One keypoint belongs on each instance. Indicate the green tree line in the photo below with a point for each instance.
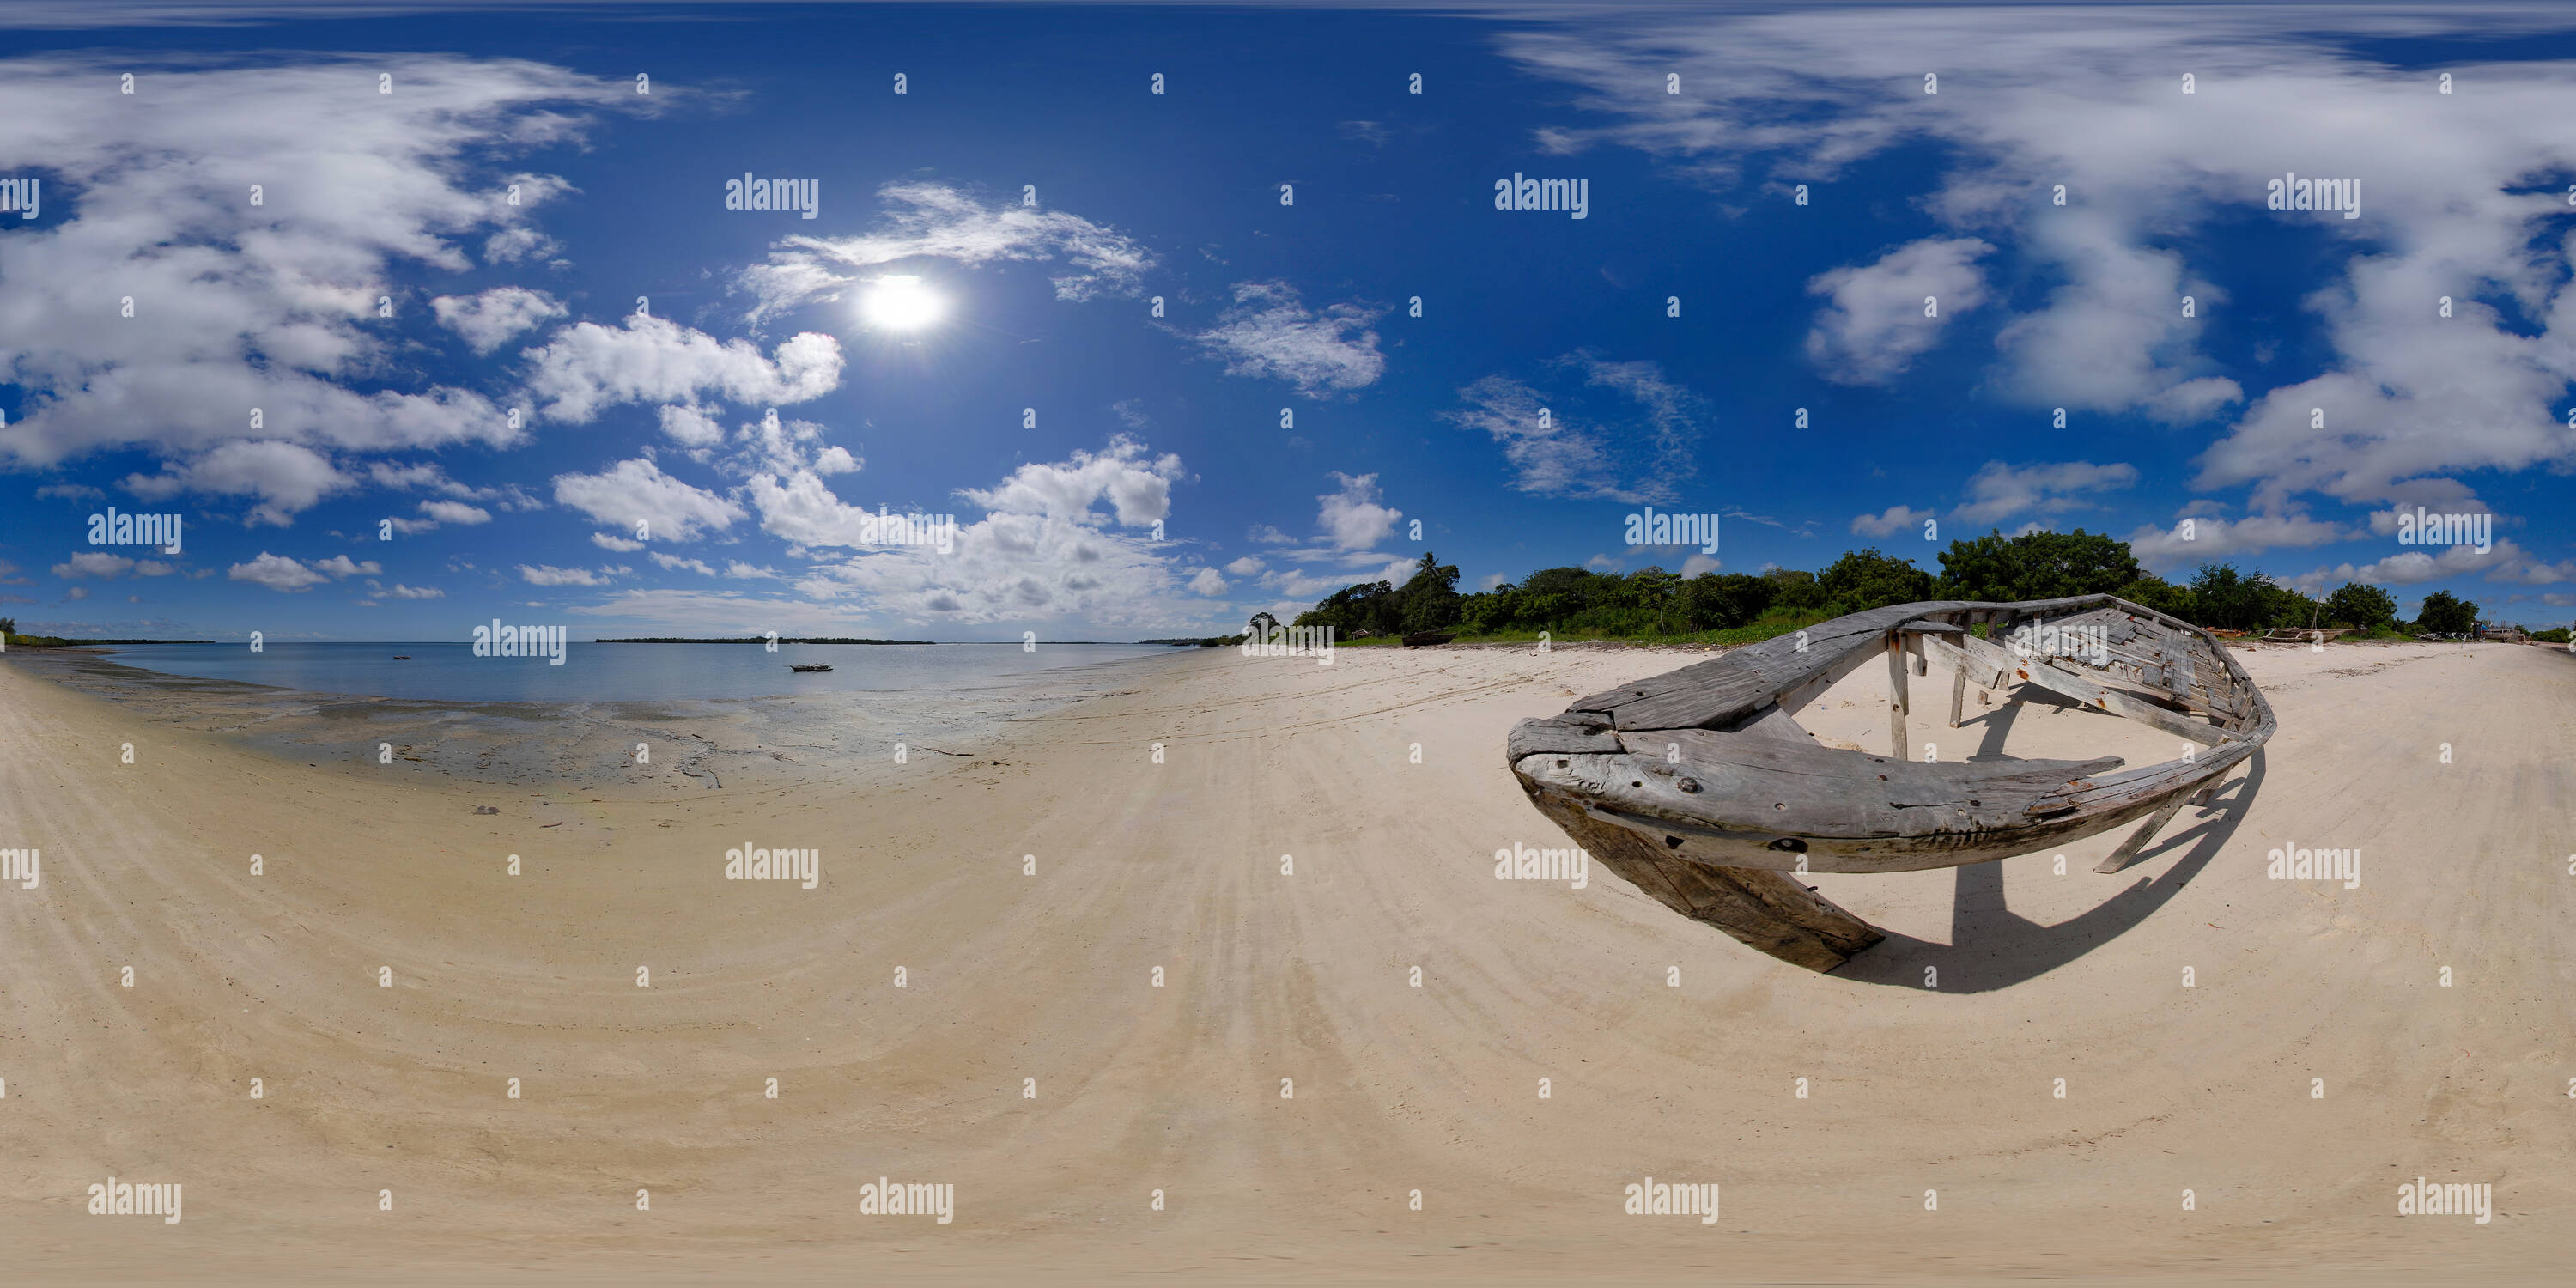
(1992, 568)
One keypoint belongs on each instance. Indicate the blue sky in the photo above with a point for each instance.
(2314, 391)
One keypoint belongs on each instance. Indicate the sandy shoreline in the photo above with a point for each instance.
(1268, 976)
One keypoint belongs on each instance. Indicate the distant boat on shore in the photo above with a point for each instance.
(809, 666)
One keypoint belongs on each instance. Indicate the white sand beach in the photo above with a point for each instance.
(1275, 980)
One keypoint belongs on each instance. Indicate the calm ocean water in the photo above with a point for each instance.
(449, 672)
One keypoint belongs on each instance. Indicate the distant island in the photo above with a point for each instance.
(56, 641)
(753, 639)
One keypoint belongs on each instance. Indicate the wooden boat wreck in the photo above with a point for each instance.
(1421, 638)
(2304, 635)
(1699, 787)
(809, 666)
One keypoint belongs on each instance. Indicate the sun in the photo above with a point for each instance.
(902, 304)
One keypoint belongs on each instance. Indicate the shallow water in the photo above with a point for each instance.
(449, 671)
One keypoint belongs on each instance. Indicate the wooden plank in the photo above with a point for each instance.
(1788, 749)
(2113, 791)
(2137, 841)
(1958, 693)
(1896, 697)
(1768, 911)
(1986, 674)
(1772, 728)
(1564, 737)
(2034, 671)
(1926, 811)
(1727, 688)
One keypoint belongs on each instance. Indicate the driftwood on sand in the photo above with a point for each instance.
(1699, 787)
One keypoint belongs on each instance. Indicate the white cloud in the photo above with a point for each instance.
(2114, 336)
(1574, 448)
(1998, 491)
(1351, 515)
(1550, 456)
(428, 475)
(487, 321)
(549, 575)
(2531, 572)
(740, 570)
(1045, 549)
(1207, 582)
(1268, 333)
(1873, 324)
(608, 541)
(698, 566)
(286, 478)
(691, 426)
(934, 221)
(586, 367)
(804, 510)
(2212, 538)
(1246, 566)
(238, 306)
(637, 490)
(99, 563)
(456, 512)
(1299, 586)
(518, 245)
(1894, 519)
(1137, 487)
(2409, 401)
(1700, 563)
(2415, 567)
(773, 446)
(277, 572)
(1672, 412)
(401, 591)
(344, 566)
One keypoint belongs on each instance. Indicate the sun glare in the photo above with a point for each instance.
(902, 304)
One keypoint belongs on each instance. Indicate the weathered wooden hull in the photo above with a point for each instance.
(1700, 788)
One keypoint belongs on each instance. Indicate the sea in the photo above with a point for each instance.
(448, 671)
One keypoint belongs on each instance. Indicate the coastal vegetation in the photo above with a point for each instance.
(9, 633)
(1657, 606)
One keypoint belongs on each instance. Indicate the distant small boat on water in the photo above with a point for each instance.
(809, 666)
(402, 657)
